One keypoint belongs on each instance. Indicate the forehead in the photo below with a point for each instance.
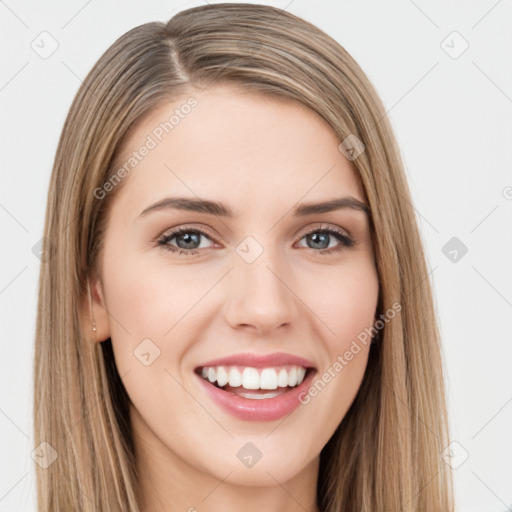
(240, 148)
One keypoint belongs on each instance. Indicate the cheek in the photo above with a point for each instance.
(148, 298)
(345, 301)
(146, 306)
(346, 312)
(155, 311)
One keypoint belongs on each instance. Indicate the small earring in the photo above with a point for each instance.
(90, 308)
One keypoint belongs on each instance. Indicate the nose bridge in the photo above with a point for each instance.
(261, 292)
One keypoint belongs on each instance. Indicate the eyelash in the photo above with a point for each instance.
(345, 240)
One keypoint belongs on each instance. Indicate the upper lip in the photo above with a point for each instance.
(259, 360)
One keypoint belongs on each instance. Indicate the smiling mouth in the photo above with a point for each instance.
(255, 383)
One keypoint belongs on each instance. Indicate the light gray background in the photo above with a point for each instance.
(451, 114)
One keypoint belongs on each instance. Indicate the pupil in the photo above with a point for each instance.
(316, 236)
(188, 237)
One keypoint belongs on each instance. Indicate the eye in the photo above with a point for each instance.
(320, 239)
(188, 240)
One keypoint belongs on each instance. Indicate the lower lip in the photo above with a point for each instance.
(265, 409)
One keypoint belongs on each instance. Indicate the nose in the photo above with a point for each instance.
(261, 294)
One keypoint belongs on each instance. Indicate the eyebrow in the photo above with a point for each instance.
(221, 210)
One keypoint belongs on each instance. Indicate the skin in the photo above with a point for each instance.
(259, 156)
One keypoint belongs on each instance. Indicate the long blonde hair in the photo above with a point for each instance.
(386, 453)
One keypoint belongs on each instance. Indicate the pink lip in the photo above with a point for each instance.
(259, 361)
(267, 409)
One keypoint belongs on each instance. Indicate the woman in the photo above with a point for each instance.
(235, 312)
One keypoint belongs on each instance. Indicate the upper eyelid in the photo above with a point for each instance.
(173, 232)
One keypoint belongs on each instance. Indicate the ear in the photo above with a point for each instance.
(97, 311)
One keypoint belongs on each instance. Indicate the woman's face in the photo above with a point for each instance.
(262, 281)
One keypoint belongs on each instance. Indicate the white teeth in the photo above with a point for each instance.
(235, 378)
(222, 376)
(254, 378)
(282, 378)
(268, 379)
(250, 378)
(292, 377)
